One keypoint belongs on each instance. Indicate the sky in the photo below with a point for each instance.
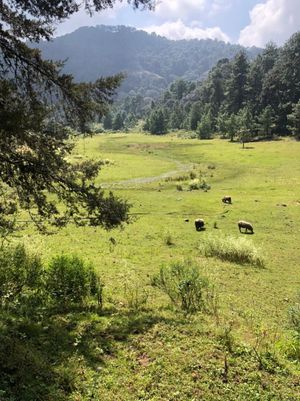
(247, 22)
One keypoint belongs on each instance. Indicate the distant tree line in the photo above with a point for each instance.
(240, 99)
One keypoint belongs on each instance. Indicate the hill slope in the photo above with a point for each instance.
(151, 62)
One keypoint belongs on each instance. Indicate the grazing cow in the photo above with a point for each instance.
(227, 199)
(199, 224)
(247, 226)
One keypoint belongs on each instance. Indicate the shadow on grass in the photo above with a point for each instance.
(46, 358)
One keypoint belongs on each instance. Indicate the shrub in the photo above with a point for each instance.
(197, 184)
(70, 280)
(294, 317)
(184, 285)
(194, 184)
(206, 187)
(236, 250)
(20, 275)
(168, 239)
(177, 178)
(135, 295)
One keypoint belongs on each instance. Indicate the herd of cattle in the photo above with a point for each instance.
(199, 223)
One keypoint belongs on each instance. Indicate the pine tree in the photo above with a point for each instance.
(232, 126)
(204, 128)
(266, 122)
(195, 116)
(246, 124)
(107, 121)
(294, 121)
(238, 83)
(221, 123)
(176, 118)
(118, 121)
(157, 122)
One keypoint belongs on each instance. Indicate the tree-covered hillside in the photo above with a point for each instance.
(240, 98)
(151, 62)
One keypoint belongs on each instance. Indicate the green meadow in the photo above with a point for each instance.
(140, 347)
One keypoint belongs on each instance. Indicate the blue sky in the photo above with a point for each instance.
(248, 22)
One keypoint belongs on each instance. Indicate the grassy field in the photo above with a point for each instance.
(241, 351)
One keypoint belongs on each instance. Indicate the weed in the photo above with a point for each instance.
(177, 178)
(294, 317)
(70, 280)
(20, 276)
(168, 239)
(199, 184)
(294, 322)
(194, 184)
(135, 295)
(235, 250)
(263, 352)
(184, 285)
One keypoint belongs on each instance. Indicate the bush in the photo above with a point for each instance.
(294, 317)
(168, 239)
(236, 250)
(70, 280)
(197, 184)
(194, 184)
(177, 178)
(292, 347)
(136, 296)
(21, 275)
(184, 285)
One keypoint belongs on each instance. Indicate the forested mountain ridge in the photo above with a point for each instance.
(239, 98)
(150, 62)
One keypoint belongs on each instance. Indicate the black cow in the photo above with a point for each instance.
(199, 224)
(227, 199)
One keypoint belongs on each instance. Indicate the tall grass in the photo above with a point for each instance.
(236, 250)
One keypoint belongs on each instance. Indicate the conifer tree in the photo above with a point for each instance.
(246, 125)
(107, 121)
(204, 128)
(195, 115)
(266, 122)
(157, 122)
(238, 83)
(118, 121)
(294, 121)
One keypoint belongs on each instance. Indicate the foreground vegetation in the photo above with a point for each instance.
(227, 331)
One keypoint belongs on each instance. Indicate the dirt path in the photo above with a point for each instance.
(181, 168)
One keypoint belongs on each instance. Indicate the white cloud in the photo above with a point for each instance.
(179, 8)
(178, 30)
(218, 6)
(186, 9)
(83, 18)
(274, 20)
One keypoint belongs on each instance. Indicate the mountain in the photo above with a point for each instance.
(150, 62)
